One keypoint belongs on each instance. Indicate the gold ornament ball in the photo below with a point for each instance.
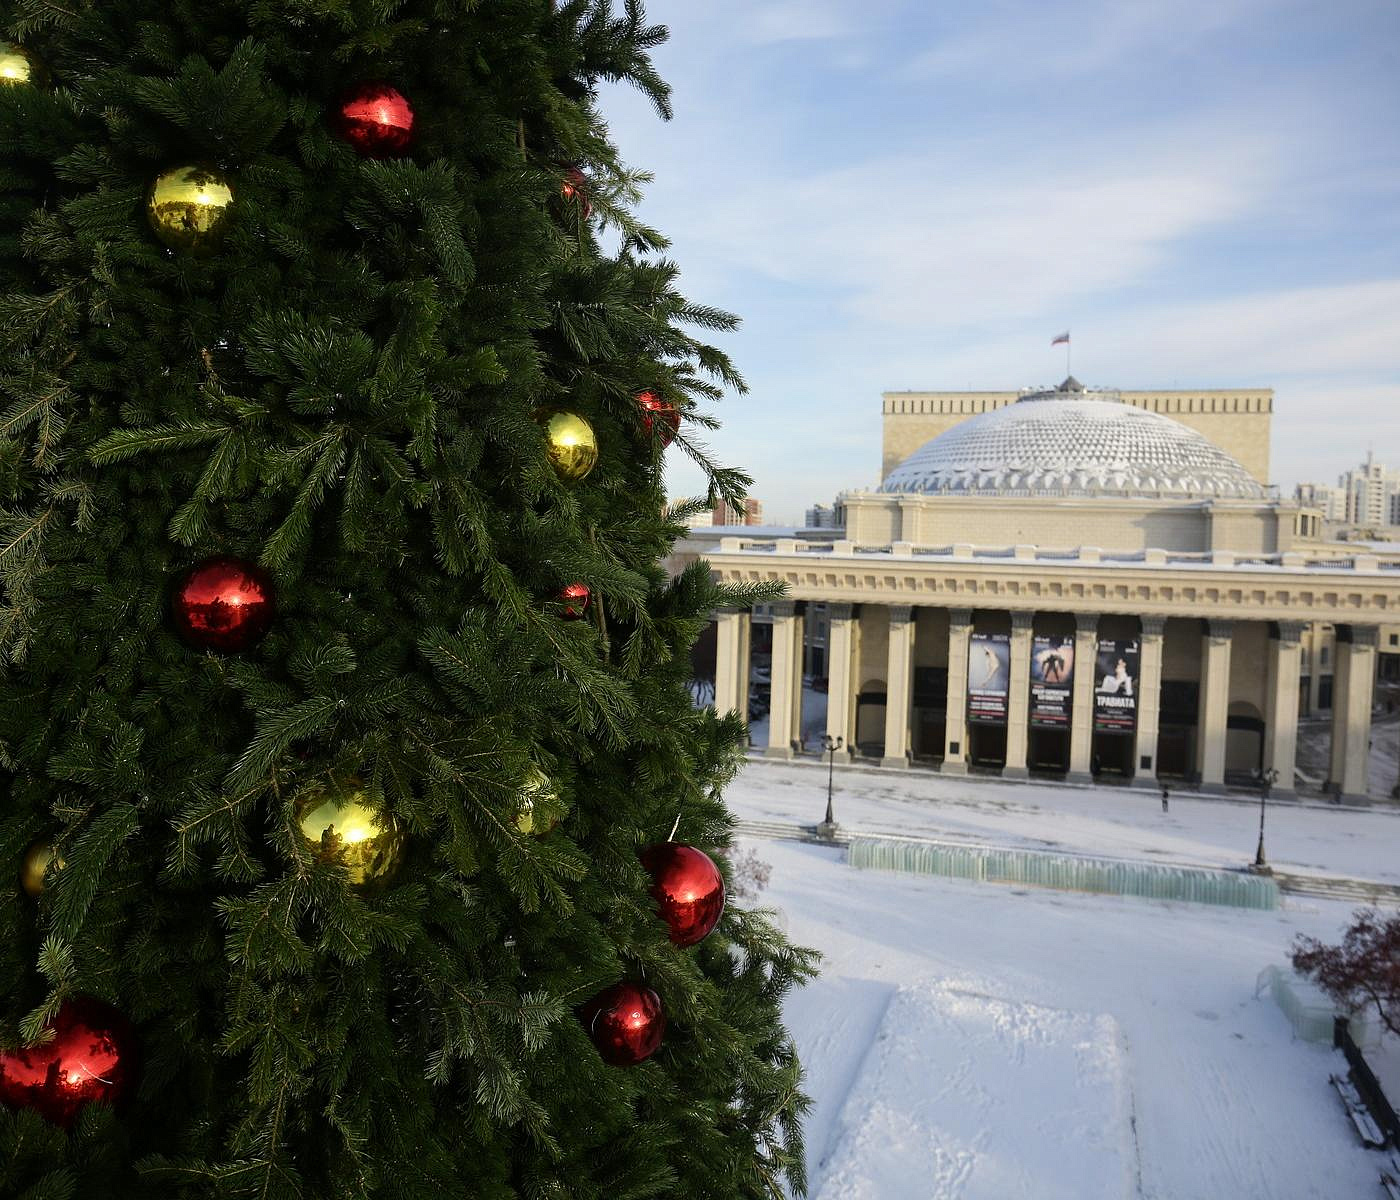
(37, 860)
(570, 441)
(18, 65)
(341, 826)
(539, 808)
(189, 209)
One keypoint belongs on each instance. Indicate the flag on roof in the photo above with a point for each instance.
(1063, 339)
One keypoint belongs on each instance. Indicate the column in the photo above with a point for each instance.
(1213, 715)
(1018, 700)
(1341, 661)
(1281, 703)
(1359, 653)
(955, 735)
(1149, 702)
(799, 658)
(785, 690)
(732, 662)
(840, 675)
(1081, 716)
(899, 690)
(1314, 670)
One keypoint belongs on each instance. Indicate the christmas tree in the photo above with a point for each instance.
(362, 835)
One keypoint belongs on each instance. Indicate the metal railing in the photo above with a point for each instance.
(1372, 1094)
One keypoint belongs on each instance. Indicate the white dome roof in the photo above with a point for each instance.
(1075, 443)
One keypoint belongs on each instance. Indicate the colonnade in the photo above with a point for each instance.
(1351, 715)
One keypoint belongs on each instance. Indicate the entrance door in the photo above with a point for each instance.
(1048, 750)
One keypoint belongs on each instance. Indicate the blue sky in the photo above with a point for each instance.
(901, 194)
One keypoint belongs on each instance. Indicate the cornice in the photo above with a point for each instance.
(1220, 592)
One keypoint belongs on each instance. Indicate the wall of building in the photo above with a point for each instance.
(1236, 420)
(931, 637)
(1241, 530)
(1111, 523)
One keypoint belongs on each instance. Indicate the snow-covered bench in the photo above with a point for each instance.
(1365, 1124)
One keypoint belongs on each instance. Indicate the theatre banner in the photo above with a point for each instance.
(1052, 682)
(988, 678)
(1116, 684)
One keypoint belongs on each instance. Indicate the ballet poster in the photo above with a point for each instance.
(988, 678)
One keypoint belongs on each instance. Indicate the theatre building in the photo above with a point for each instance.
(1073, 583)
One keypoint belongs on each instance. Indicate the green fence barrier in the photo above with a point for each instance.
(1070, 873)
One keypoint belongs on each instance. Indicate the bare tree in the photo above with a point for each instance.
(1361, 973)
(749, 874)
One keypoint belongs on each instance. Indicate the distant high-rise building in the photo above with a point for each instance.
(1331, 500)
(820, 516)
(750, 514)
(1368, 496)
(1369, 489)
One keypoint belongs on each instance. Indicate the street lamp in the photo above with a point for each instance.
(830, 745)
(1267, 778)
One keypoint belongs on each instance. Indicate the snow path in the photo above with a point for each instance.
(1121, 822)
(1227, 1103)
(953, 1083)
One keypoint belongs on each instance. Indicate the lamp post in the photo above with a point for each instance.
(827, 829)
(1267, 778)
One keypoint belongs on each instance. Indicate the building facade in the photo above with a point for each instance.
(750, 514)
(1074, 583)
(1366, 497)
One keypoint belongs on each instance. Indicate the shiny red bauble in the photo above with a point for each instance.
(376, 119)
(625, 1022)
(660, 416)
(224, 604)
(688, 889)
(91, 1059)
(575, 600)
(576, 189)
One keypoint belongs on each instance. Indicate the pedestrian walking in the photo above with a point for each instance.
(1166, 795)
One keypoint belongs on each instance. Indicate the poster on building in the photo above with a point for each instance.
(1052, 682)
(1115, 686)
(988, 678)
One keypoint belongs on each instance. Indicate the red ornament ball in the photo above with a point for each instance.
(576, 189)
(625, 1022)
(376, 119)
(654, 409)
(688, 889)
(575, 598)
(224, 604)
(91, 1059)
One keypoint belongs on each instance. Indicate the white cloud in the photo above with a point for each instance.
(924, 240)
(1077, 37)
(790, 21)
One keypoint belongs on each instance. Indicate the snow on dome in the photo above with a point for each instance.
(1073, 442)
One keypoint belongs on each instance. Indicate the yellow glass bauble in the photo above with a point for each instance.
(571, 443)
(18, 65)
(341, 826)
(189, 208)
(37, 860)
(539, 808)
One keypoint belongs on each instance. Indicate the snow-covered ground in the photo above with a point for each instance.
(970, 1041)
(974, 1040)
(1123, 822)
